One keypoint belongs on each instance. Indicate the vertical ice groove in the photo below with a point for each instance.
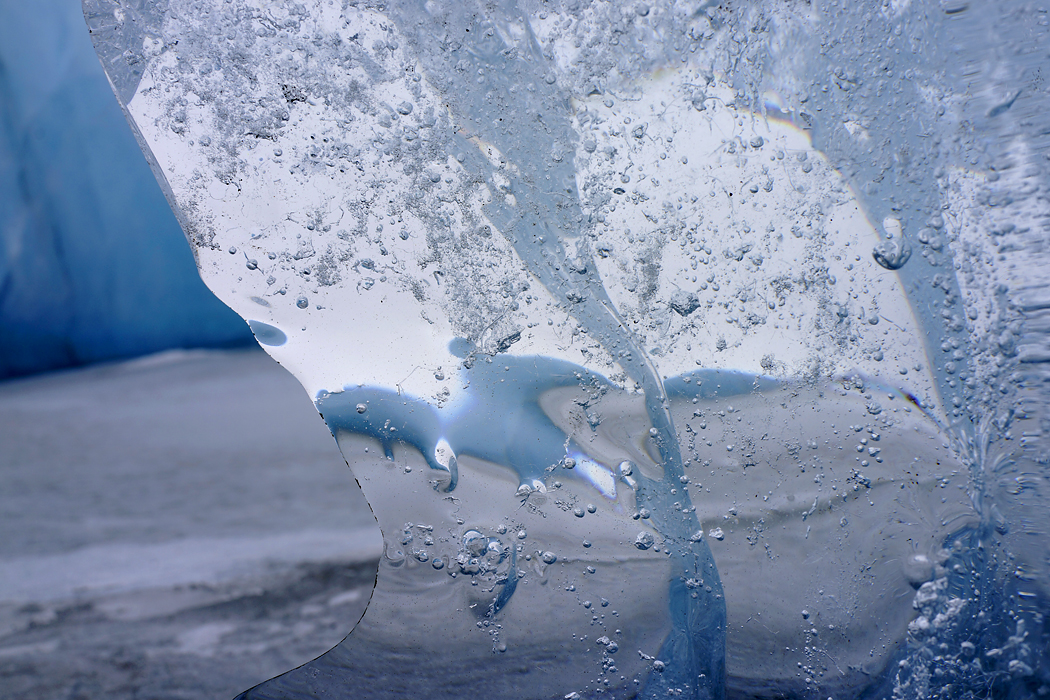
(518, 92)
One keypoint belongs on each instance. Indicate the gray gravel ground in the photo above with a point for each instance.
(180, 526)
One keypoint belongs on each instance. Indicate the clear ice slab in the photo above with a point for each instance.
(540, 297)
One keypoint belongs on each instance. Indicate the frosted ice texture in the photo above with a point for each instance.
(635, 389)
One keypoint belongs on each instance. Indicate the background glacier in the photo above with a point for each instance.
(93, 265)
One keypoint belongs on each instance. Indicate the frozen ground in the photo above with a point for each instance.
(180, 526)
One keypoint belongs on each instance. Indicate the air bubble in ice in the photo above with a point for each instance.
(475, 543)
(684, 303)
(895, 251)
(267, 334)
(892, 254)
(918, 569)
(644, 540)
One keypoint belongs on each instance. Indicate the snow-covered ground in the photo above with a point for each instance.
(178, 526)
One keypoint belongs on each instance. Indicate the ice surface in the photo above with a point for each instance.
(473, 231)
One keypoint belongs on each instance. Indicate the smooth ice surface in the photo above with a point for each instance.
(649, 395)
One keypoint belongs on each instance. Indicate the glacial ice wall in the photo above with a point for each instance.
(93, 265)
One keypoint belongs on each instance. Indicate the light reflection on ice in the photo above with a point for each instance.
(597, 475)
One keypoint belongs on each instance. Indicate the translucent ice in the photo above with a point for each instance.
(568, 301)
